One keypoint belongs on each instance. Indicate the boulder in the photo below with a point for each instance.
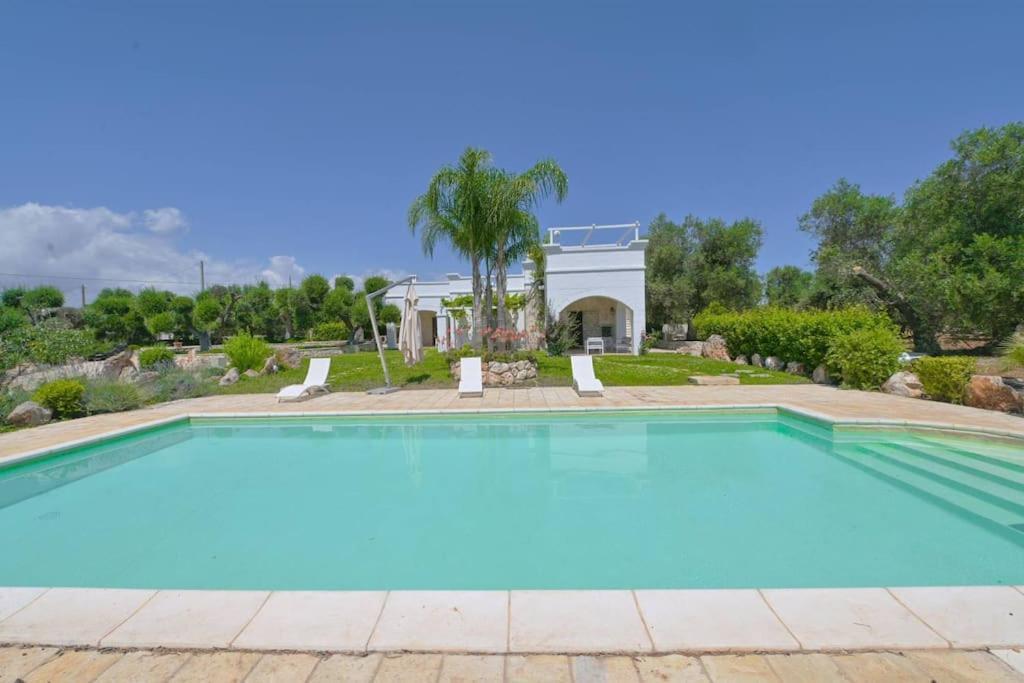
(128, 374)
(229, 378)
(794, 368)
(270, 367)
(992, 393)
(498, 368)
(289, 357)
(741, 360)
(691, 348)
(250, 373)
(904, 383)
(715, 348)
(774, 363)
(820, 375)
(29, 414)
(757, 360)
(29, 376)
(507, 378)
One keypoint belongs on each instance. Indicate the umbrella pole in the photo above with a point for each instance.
(387, 388)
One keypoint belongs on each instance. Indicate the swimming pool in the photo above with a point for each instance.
(686, 499)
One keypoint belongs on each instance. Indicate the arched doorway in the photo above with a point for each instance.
(604, 318)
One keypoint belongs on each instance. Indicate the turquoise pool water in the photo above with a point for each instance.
(598, 500)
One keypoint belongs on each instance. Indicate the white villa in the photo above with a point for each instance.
(594, 273)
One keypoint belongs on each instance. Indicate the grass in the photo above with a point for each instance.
(361, 371)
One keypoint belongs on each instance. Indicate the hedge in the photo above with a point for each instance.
(802, 336)
(944, 378)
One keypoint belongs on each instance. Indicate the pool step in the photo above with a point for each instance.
(1001, 457)
(994, 469)
(993, 516)
(999, 491)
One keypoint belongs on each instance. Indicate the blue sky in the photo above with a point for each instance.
(305, 130)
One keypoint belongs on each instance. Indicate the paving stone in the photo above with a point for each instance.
(338, 621)
(671, 669)
(13, 599)
(875, 667)
(72, 616)
(142, 666)
(964, 667)
(348, 668)
(73, 666)
(408, 669)
(283, 669)
(712, 620)
(531, 668)
(804, 668)
(576, 621)
(16, 662)
(192, 618)
(471, 668)
(443, 621)
(589, 669)
(223, 667)
(850, 619)
(970, 616)
(1013, 657)
(738, 668)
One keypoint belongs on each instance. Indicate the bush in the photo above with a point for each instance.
(63, 396)
(155, 356)
(106, 396)
(11, 319)
(559, 334)
(455, 355)
(52, 344)
(329, 331)
(11, 399)
(944, 377)
(1013, 350)
(246, 352)
(175, 383)
(866, 358)
(802, 336)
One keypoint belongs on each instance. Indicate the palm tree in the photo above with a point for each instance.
(454, 209)
(512, 227)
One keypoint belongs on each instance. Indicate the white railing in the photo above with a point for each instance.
(554, 234)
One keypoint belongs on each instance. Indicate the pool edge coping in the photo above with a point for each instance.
(951, 428)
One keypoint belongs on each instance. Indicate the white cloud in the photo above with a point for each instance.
(164, 221)
(56, 244)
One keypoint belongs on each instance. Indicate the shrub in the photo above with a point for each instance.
(489, 356)
(106, 396)
(802, 336)
(944, 377)
(155, 356)
(246, 352)
(175, 383)
(63, 396)
(559, 334)
(329, 331)
(1013, 350)
(866, 358)
(52, 344)
(11, 319)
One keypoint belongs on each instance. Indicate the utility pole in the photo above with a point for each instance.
(202, 276)
(83, 296)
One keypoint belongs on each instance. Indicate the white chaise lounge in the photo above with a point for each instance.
(583, 379)
(470, 378)
(315, 382)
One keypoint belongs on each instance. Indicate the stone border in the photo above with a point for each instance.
(520, 622)
(696, 621)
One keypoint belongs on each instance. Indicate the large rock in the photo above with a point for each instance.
(774, 363)
(794, 368)
(250, 373)
(289, 357)
(757, 360)
(991, 393)
(741, 360)
(29, 414)
(904, 383)
(691, 348)
(29, 376)
(716, 348)
(229, 378)
(270, 367)
(821, 376)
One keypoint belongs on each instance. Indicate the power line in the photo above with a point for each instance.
(99, 279)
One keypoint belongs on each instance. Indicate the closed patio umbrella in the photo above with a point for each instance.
(409, 337)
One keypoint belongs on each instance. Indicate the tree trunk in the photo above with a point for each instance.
(477, 303)
(924, 338)
(501, 285)
(489, 308)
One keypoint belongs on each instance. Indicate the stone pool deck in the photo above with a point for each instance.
(962, 633)
(52, 664)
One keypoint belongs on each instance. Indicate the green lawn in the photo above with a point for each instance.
(361, 371)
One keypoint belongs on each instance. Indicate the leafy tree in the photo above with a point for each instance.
(669, 288)
(788, 286)
(390, 313)
(114, 317)
(315, 288)
(344, 282)
(11, 297)
(39, 298)
(374, 283)
(454, 209)
(256, 312)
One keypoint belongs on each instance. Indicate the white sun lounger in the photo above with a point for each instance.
(583, 379)
(470, 379)
(315, 382)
